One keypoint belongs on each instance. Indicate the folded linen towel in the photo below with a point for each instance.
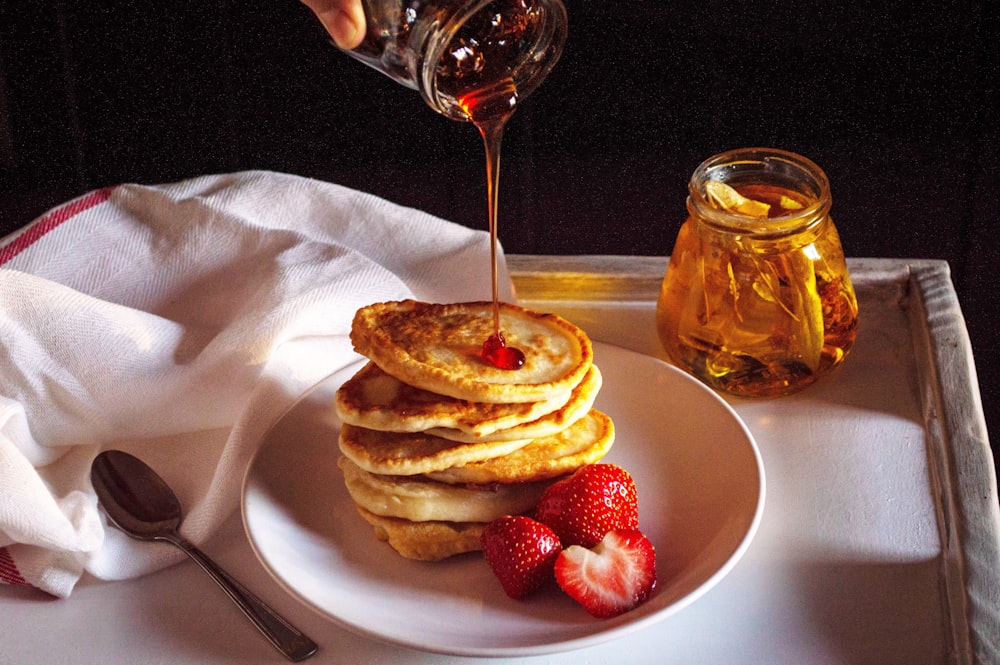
(153, 320)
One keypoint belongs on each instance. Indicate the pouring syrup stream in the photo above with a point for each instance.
(489, 109)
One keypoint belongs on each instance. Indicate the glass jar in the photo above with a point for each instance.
(757, 300)
(449, 49)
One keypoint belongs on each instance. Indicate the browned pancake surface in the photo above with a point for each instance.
(425, 541)
(412, 453)
(586, 441)
(376, 400)
(437, 347)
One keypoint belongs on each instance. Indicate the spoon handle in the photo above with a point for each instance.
(285, 637)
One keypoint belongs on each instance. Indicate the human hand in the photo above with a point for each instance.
(343, 19)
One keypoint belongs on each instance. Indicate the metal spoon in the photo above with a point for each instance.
(142, 505)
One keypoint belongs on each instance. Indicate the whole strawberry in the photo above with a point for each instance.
(612, 578)
(522, 553)
(596, 499)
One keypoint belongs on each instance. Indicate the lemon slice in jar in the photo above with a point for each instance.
(726, 198)
(788, 203)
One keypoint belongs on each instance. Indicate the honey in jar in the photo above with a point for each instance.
(757, 300)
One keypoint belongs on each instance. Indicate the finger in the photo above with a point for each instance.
(345, 21)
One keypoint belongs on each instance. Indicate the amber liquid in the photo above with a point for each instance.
(758, 317)
(478, 79)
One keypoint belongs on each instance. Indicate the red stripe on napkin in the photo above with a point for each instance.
(49, 222)
(9, 574)
(8, 569)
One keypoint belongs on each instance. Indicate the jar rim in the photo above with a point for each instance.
(758, 165)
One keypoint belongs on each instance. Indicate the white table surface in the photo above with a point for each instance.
(879, 540)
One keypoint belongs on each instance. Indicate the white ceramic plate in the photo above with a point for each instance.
(701, 494)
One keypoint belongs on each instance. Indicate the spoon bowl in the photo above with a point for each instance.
(140, 503)
(134, 496)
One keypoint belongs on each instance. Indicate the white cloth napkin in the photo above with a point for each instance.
(154, 320)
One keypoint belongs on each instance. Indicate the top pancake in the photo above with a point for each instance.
(437, 347)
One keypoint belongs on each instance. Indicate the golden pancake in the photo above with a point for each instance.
(584, 442)
(437, 347)
(437, 442)
(580, 401)
(376, 400)
(423, 500)
(413, 453)
(425, 541)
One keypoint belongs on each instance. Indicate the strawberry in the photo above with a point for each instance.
(614, 577)
(522, 553)
(594, 500)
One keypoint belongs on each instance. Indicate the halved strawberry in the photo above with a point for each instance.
(617, 575)
(594, 500)
(522, 553)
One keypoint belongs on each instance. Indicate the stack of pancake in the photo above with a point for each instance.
(437, 442)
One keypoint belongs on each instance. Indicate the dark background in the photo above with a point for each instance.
(896, 100)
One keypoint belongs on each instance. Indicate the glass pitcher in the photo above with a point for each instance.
(448, 49)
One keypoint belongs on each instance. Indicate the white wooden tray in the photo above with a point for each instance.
(878, 544)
